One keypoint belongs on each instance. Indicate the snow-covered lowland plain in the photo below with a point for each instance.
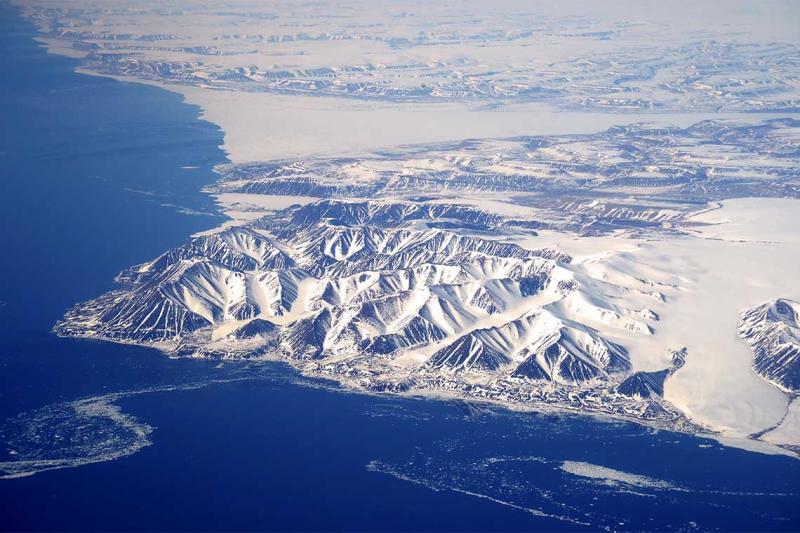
(596, 211)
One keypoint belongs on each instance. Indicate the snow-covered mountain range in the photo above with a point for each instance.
(426, 270)
(374, 293)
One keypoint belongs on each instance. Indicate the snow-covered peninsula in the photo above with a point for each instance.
(573, 212)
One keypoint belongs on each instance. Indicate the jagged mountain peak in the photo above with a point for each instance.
(773, 332)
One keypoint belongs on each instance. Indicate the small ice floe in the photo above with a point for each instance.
(613, 478)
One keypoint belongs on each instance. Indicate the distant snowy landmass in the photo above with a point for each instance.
(634, 175)
(411, 56)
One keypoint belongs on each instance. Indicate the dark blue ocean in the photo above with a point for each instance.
(97, 175)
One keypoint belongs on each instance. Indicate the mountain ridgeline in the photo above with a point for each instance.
(379, 295)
